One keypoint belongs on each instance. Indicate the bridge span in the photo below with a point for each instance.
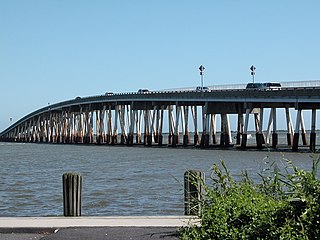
(139, 118)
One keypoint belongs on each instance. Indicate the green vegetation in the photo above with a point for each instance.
(283, 205)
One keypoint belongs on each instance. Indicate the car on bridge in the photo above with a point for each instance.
(143, 90)
(203, 89)
(264, 86)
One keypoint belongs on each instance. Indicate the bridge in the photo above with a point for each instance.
(190, 116)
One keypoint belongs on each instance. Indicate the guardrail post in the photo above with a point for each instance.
(72, 194)
(193, 191)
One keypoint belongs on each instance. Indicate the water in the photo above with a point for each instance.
(117, 180)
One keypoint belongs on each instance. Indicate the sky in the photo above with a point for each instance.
(56, 50)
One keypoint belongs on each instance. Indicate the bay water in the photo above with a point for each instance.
(117, 180)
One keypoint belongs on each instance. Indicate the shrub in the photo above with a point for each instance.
(284, 205)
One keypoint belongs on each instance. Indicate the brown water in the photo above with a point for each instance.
(117, 180)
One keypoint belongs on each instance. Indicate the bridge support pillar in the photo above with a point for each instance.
(186, 139)
(213, 129)
(274, 140)
(274, 133)
(138, 138)
(289, 127)
(123, 139)
(175, 139)
(245, 131)
(296, 131)
(204, 140)
(239, 128)
(160, 140)
(289, 139)
(313, 131)
(259, 137)
(130, 139)
(195, 139)
(295, 142)
(225, 138)
(114, 139)
(303, 132)
(108, 139)
(149, 140)
(244, 140)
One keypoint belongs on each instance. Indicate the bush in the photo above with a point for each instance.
(284, 205)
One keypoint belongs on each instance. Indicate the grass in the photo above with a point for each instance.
(283, 205)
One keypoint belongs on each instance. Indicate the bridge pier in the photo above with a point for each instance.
(194, 114)
(313, 131)
(289, 127)
(274, 133)
(259, 126)
(245, 131)
(239, 128)
(225, 138)
(186, 136)
(296, 131)
(303, 132)
(214, 129)
(205, 123)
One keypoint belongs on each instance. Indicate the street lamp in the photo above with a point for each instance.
(253, 72)
(201, 68)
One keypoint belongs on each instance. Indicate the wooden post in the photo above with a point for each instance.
(193, 191)
(72, 187)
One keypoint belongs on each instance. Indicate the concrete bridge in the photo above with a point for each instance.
(190, 116)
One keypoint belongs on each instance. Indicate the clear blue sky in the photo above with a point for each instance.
(55, 50)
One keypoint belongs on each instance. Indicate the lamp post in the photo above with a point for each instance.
(201, 68)
(253, 72)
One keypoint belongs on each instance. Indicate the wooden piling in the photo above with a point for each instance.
(72, 194)
(193, 191)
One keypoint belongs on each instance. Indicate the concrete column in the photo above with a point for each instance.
(274, 133)
(313, 131)
(170, 119)
(195, 121)
(186, 136)
(303, 132)
(214, 128)
(289, 127)
(176, 129)
(160, 140)
(224, 138)
(114, 137)
(205, 125)
(296, 132)
(239, 128)
(259, 135)
(245, 131)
